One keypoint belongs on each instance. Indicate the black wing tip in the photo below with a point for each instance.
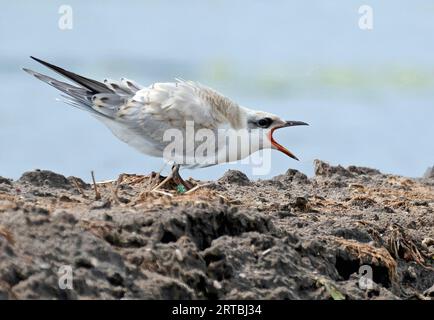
(92, 85)
(38, 60)
(42, 62)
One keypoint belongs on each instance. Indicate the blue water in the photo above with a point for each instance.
(368, 95)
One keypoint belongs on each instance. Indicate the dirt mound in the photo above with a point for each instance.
(346, 233)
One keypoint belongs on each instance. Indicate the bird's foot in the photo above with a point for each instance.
(182, 186)
(162, 183)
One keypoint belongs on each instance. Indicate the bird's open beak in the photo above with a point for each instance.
(279, 147)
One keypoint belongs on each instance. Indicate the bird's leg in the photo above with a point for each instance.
(178, 180)
(162, 183)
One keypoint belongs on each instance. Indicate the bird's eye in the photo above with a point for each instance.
(265, 122)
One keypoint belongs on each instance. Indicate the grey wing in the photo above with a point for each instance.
(164, 106)
(156, 115)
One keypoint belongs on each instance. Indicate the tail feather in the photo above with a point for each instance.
(73, 102)
(75, 96)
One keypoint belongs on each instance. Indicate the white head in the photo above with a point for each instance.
(263, 124)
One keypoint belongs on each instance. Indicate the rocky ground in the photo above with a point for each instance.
(290, 237)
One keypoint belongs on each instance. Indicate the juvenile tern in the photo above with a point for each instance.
(140, 116)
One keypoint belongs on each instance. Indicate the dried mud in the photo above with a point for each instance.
(290, 237)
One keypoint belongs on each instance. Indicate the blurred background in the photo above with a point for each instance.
(367, 94)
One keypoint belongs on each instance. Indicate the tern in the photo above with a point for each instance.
(140, 116)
